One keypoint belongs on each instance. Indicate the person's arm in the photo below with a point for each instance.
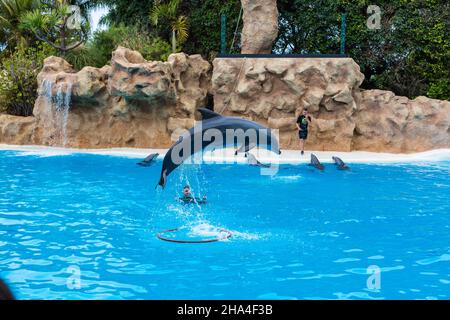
(200, 200)
(297, 124)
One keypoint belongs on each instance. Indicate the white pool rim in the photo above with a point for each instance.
(227, 155)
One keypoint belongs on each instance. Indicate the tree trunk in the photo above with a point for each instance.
(63, 37)
(174, 42)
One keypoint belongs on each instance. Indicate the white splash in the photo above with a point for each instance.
(206, 230)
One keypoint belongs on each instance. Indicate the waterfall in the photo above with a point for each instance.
(59, 106)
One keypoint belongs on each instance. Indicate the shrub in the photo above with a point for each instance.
(151, 48)
(97, 52)
(18, 79)
(439, 90)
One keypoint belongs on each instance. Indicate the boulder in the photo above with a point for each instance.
(16, 130)
(134, 78)
(260, 26)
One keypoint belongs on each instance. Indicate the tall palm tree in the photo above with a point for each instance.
(178, 24)
(10, 12)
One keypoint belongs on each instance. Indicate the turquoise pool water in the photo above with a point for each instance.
(299, 234)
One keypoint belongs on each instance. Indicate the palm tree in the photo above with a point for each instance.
(10, 12)
(168, 11)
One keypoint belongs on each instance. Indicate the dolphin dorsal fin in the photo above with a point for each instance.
(208, 114)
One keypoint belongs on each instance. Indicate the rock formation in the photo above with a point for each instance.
(16, 130)
(133, 102)
(260, 26)
(391, 123)
(274, 91)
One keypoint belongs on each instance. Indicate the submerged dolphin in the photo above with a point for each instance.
(340, 164)
(215, 131)
(254, 162)
(316, 163)
(148, 160)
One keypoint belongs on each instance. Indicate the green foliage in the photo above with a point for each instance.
(11, 34)
(308, 27)
(129, 12)
(409, 54)
(55, 23)
(97, 52)
(204, 17)
(439, 90)
(168, 12)
(18, 79)
(81, 57)
(151, 47)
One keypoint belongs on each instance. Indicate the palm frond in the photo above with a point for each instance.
(172, 7)
(156, 14)
(162, 10)
(181, 26)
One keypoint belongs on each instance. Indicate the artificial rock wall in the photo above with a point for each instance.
(132, 103)
(273, 91)
(138, 103)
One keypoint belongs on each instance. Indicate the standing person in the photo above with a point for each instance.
(303, 121)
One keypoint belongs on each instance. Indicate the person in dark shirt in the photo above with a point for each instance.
(303, 121)
(188, 198)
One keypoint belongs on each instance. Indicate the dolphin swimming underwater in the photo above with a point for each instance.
(316, 163)
(148, 160)
(216, 131)
(251, 159)
(340, 164)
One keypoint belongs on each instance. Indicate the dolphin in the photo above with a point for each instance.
(340, 164)
(316, 163)
(215, 131)
(148, 160)
(254, 162)
(245, 147)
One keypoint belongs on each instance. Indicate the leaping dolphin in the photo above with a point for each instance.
(316, 163)
(148, 160)
(216, 131)
(340, 164)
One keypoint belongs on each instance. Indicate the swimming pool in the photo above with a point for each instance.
(82, 226)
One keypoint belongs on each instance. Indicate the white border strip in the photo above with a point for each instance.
(287, 156)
